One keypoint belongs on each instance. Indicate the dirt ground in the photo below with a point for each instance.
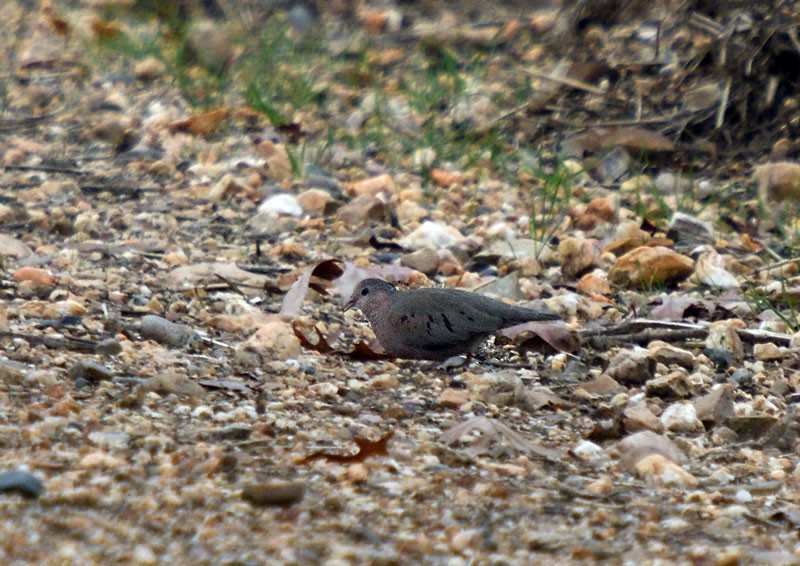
(189, 192)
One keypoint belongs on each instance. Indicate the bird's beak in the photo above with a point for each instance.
(351, 302)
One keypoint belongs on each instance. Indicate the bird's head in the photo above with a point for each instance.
(370, 296)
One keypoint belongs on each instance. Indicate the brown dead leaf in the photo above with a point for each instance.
(361, 351)
(106, 30)
(637, 139)
(676, 307)
(366, 449)
(336, 277)
(546, 337)
(492, 430)
(203, 124)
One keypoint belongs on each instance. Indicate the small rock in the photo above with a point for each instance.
(149, 69)
(715, 407)
(637, 446)
(315, 201)
(690, 232)
(656, 469)
(453, 397)
(594, 283)
(208, 47)
(751, 427)
(722, 336)
(41, 377)
(639, 417)
(22, 482)
(275, 339)
(587, 451)
(11, 246)
(577, 256)
(164, 332)
(632, 366)
(357, 473)
(463, 540)
(143, 555)
(273, 492)
(226, 187)
(722, 359)
(384, 381)
(767, 352)
(373, 185)
(671, 386)
(91, 371)
(742, 378)
(649, 266)
(668, 355)
(108, 347)
(173, 383)
(281, 204)
(365, 209)
(425, 261)
(603, 385)
(681, 417)
(35, 275)
(13, 372)
(433, 235)
(710, 270)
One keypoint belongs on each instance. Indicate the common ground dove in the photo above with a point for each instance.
(434, 324)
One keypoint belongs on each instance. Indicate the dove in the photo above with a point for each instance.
(434, 324)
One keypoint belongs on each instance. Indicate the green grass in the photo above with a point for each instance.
(279, 75)
(784, 305)
(549, 199)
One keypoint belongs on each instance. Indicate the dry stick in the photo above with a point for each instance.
(25, 122)
(723, 104)
(792, 33)
(77, 344)
(646, 330)
(614, 123)
(778, 264)
(580, 85)
(45, 169)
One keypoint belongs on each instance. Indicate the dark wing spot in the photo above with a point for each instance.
(462, 313)
(447, 323)
(413, 315)
(469, 318)
(404, 318)
(430, 317)
(429, 328)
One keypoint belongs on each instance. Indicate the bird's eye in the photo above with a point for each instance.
(364, 292)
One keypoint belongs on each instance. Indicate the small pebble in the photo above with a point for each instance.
(22, 482)
(273, 492)
(165, 332)
(90, 371)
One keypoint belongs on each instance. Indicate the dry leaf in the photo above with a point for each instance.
(203, 124)
(366, 449)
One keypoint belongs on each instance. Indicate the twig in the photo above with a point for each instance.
(580, 85)
(723, 104)
(778, 264)
(76, 344)
(643, 331)
(614, 123)
(46, 169)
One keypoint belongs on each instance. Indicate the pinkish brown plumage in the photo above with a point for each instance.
(434, 324)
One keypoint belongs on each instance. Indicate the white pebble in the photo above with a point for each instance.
(281, 203)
